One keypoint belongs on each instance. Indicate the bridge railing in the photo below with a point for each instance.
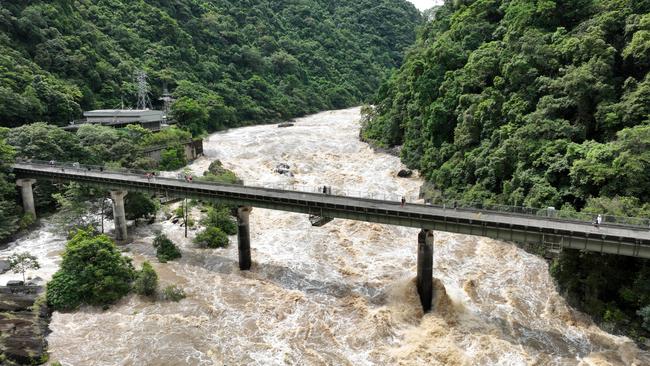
(374, 195)
(551, 212)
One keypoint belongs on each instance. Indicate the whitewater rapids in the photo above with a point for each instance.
(343, 294)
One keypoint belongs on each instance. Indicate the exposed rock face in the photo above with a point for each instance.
(405, 173)
(23, 325)
(284, 169)
(4, 266)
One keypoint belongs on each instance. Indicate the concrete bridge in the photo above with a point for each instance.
(561, 233)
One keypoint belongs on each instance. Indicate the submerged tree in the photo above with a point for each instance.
(22, 262)
(93, 272)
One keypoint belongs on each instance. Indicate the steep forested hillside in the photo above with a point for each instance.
(537, 103)
(240, 61)
(540, 103)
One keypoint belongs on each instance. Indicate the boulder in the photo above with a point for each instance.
(16, 301)
(4, 266)
(285, 124)
(15, 283)
(284, 169)
(405, 173)
(34, 281)
(25, 343)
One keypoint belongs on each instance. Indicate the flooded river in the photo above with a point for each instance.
(342, 294)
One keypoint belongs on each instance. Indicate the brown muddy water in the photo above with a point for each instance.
(343, 294)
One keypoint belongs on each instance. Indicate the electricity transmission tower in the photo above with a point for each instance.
(144, 102)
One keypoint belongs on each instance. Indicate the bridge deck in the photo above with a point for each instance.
(624, 240)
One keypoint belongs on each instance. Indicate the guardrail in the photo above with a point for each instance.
(559, 215)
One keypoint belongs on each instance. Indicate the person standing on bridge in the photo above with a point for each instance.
(598, 220)
(403, 201)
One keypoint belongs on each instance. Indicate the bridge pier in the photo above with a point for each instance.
(28, 195)
(119, 217)
(425, 268)
(244, 237)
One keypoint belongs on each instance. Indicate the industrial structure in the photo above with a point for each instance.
(144, 114)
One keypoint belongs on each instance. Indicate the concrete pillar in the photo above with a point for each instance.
(28, 195)
(425, 268)
(119, 217)
(244, 237)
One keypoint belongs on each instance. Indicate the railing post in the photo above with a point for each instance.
(425, 268)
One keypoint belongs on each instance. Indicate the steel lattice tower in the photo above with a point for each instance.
(143, 91)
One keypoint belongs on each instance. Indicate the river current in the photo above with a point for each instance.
(341, 294)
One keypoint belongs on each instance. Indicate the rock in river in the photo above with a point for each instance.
(284, 169)
(405, 173)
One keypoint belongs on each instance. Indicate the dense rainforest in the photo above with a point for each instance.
(535, 103)
(227, 62)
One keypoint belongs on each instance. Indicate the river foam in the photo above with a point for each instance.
(342, 294)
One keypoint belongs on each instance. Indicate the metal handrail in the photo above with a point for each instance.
(556, 215)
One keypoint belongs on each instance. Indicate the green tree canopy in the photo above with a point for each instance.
(93, 272)
(241, 62)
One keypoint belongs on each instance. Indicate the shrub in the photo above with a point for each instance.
(173, 158)
(218, 174)
(212, 237)
(644, 313)
(179, 211)
(26, 221)
(166, 250)
(226, 177)
(146, 280)
(220, 217)
(93, 272)
(173, 293)
(22, 262)
(138, 205)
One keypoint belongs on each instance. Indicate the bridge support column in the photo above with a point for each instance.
(119, 217)
(27, 195)
(244, 237)
(425, 268)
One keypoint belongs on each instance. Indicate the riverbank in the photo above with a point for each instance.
(24, 320)
(338, 294)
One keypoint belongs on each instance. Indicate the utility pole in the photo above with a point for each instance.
(103, 201)
(185, 218)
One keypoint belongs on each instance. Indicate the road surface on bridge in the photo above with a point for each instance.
(614, 239)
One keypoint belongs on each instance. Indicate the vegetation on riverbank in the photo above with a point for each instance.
(94, 272)
(93, 145)
(534, 104)
(227, 63)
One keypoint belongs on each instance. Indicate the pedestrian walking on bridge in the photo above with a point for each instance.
(403, 201)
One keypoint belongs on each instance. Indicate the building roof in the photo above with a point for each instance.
(123, 113)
